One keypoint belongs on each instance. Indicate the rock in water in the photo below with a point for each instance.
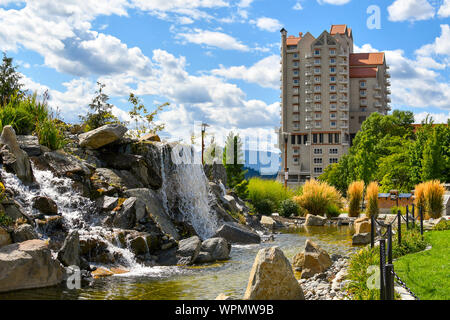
(214, 249)
(188, 250)
(45, 205)
(312, 261)
(234, 233)
(361, 238)
(272, 278)
(268, 222)
(28, 265)
(102, 136)
(69, 255)
(362, 225)
(312, 220)
(14, 158)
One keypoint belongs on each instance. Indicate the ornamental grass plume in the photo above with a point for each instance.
(419, 194)
(372, 200)
(317, 197)
(355, 194)
(434, 199)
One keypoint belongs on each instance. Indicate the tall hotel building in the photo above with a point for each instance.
(327, 91)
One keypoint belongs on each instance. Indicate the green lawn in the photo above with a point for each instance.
(427, 273)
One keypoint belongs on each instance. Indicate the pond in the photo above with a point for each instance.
(198, 282)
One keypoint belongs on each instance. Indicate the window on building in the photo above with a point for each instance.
(330, 138)
(333, 115)
(317, 88)
(318, 124)
(320, 137)
(363, 92)
(332, 70)
(332, 60)
(316, 61)
(296, 151)
(295, 73)
(295, 63)
(318, 115)
(295, 160)
(318, 161)
(295, 55)
(333, 79)
(317, 151)
(333, 106)
(318, 170)
(333, 123)
(317, 52)
(314, 137)
(332, 88)
(332, 51)
(292, 139)
(362, 84)
(295, 81)
(336, 137)
(317, 69)
(334, 151)
(291, 47)
(305, 139)
(334, 160)
(363, 109)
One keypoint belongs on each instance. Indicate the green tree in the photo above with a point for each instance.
(233, 160)
(143, 120)
(433, 162)
(9, 80)
(102, 111)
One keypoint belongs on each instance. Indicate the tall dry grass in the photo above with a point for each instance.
(419, 194)
(434, 199)
(318, 196)
(372, 200)
(355, 194)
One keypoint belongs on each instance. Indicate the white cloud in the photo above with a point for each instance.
(440, 46)
(334, 2)
(297, 6)
(437, 117)
(267, 24)
(410, 10)
(213, 39)
(265, 72)
(444, 10)
(245, 3)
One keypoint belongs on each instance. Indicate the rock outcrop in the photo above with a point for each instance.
(188, 250)
(312, 261)
(272, 278)
(13, 157)
(28, 265)
(313, 221)
(235, 233)
(214, 249)
(69, 254)
(102, 136)
(132, 211)
(45, 205)
(361, 238)
(23, 233)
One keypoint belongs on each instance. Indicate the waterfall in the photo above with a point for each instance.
(186, 190)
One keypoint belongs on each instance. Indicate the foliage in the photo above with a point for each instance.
(259, 189)
(238, 216)
(213, 152)
(372, 200)
(5, 221)
(318, 196)
(355, 194)
(288, 208)
(143, 120)
(264, 206)
(442, 225)
(102, 111)
(9, 80)
(419, 194)
(395, 209)
(241, 189)
(332, 211)
(233, 160)
(434, 198)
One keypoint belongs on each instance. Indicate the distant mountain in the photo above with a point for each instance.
(262, 164)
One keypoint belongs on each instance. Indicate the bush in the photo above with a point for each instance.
(333, 211)
(288, 208)
(419, 194)
(372, 200)
(394, 210)
(259, 189)
(5, 221)
(318, 196)
(50, 134)
(264, 206)
(355, 194)
(241, 189)
(443, 225)
(434, 198)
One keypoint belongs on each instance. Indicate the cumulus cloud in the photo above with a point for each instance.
(410, 10)
(440, 46)
(213, 39)
(267, 24)
(437, 117)
(444, 10)
(334, 2)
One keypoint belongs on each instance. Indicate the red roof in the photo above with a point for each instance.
(367, 59)
(292, 40)
(363, 72)
(338, 29)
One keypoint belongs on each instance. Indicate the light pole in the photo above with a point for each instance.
(204, 125)
(286, 169)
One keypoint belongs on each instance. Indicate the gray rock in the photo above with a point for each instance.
(30, 144)
(188, 250)
(132, 210)
(5, 237)
(232, 202)
(138, 245)
(361, 239)
(23, 233)
(112, 181)
(216, 172)
(62, 164)
(102, 136)
(106, 203)
(312, 220)
(69, 254)
(214, 249)
(14, 158)
(235, 233)
(45, 205)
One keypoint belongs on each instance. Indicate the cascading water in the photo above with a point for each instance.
(189, 190)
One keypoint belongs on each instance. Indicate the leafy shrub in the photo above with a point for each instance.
(5, 220)
(333, 211)
(394, 210)
(264, 206)
(443, 225)
(355, 194)
(259, 189)
(241, 189)
(434, 198)
(372, 200)
(50, 134)
(318, 196)
(288, 208)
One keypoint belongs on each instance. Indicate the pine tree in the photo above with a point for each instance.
(233, 160)
(9, 80)
(433, 162)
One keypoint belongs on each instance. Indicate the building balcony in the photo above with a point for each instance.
(387, 74)
(344, 118)
(377, 87)
(377, 96)
(388, 91)
(343, 108)
(343, 99)
(308, 100)
(308, 119)
(344, 126)
(342, 80)
(333, 63)
(308, 127)
(308, 91)
(317, 81)
(343, 54)
(388, 99)
(333, 98)
(317, 55)
(318, 126)
(332, 54)
(308, 82)
(318, 108)
(317, 99)
(317, 72)
(343, 90)
(333, 107)
(308, 74)
(309, 109)
(378, 105)
(308, 55)
(308, 65)
(363, 102)
(343, 64)
(388, 83)
(343, 72)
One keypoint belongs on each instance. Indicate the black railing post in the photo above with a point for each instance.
(407, 217)
(413, 219)
(382, 269)
(372, 231)
(389, 281)
(421, 221)
(389, 243)
(399, 224)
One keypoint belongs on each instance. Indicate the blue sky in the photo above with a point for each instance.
(214, 60)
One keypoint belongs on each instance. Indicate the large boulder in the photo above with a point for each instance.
(45, 205)
(24, 232)
(312, 261)
(232, 203)
(131, 212)
(313, 221)
(5, 238)
(362, 225)
(28, 265)
(13, 157)
(214, 249)
(155, 209)
(150, 137)
(234, 233)
(30, 144)
(361, 238)
(268, 222)
(272, 278)
(111, 181)
(62, 164)
(102, 136)
(69, 254)
(188, 250)
(106, 203)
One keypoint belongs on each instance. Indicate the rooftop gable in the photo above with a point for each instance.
(367, 59)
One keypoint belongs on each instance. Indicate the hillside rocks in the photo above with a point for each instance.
(102, 136)
(45, 205)
(30, 144)
(312, 261)
(13, 158)
(214, 249)
(272, 278)
(150, 137)
(235, 233)
(69, 254)
(131, 212)
(27, 265)
(24, 232)
(313, 221)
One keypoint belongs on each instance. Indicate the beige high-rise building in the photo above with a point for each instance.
(327, 91)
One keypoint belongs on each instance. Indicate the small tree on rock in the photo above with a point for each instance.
(9, 80)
